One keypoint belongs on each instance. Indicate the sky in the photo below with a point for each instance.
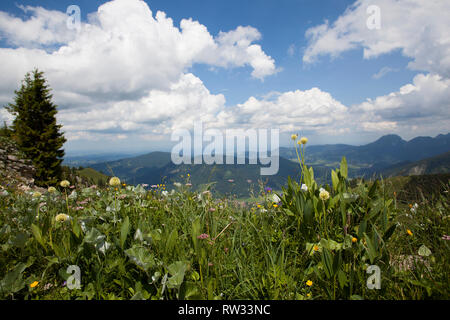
(131, 72)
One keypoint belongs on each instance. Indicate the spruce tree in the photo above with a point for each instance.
(35, 129)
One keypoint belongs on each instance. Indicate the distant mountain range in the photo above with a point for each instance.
(386, 151)
(390, 155)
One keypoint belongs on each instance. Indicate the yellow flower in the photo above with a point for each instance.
(309, 283)
(114, 182)
(64, 184)
(294, 137)
(259, 206)
(61, 217)
(308, 294)
(409, 232)
(275, 205)
(34, 284)
(354, 239)
(51, 189)
(303, 140)
(188, 175)
(324, 195)
(316, 248)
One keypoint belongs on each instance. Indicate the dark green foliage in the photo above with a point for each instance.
(35, 129)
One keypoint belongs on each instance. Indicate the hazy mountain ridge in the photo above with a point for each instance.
(389, 155)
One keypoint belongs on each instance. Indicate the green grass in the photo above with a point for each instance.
(132, 243)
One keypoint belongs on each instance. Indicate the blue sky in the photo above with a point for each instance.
(343, 77)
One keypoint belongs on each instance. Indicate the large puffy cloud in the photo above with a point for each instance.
(122, 51)
(418, 28)
(422, 106)
(156, 114)
(306, 110)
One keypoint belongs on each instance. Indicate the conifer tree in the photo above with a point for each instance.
(35, 129)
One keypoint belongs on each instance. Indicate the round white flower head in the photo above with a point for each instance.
(62, 217)
(304, 187)
(114, 182)
(36, 194)
(64, 184)
(177, 184)
(51, 189)
(324, 195)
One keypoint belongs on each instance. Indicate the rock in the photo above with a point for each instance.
(12, 158)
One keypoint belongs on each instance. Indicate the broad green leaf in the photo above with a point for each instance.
(177, 270)
(13, 282)
(344, 168)
(38, 235)
(327, 261)
(334, 179)
(124, 230)
(424, 251)
(141, 256)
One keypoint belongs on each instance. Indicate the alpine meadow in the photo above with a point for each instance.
(225, 150)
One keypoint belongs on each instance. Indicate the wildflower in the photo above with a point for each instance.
(62, 217)
(354, 239)
(114, 182)
(249, 181)
(275, 198)
(309, 283)
(308, 294)
(230, 180)
(64, 183)
(48, 286)
(324, 195)
(258, 205)
(212, 209)
(445, 237)
(304, 187)
(124, 184)
(275, 205)
(303, 140)
(409, 232)
(51, 189)
(294, 137)
(177, 184)
(145, 185)
(34, 284)
(188, 175)
(165, 193)
(203, 236)
(316, 247)
(210, 264)
(268, 189)
(189, 184)
(413, 208)
(37, 194)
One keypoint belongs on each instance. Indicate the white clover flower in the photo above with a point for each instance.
(324, 195)
(165, 193)
(114, 182)
(51, 189)
(304, 187)
(177, 184)
(64, 184)
(62, 217)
